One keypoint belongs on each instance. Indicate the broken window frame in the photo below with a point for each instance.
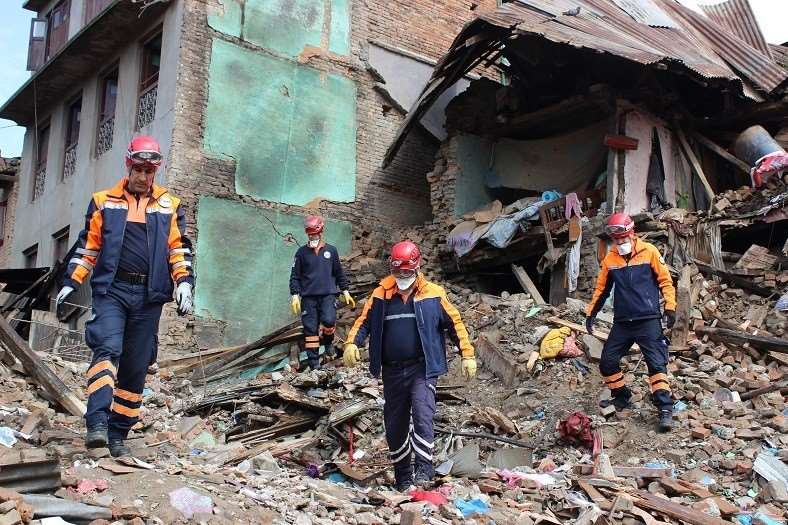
(150, 66)
(30, 255)
(71, 141)
(42, 156)
(60, 245)
(57, 35)
(37, 43)
(105, 133)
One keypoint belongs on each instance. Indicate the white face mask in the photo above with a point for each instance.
(624, 248)
(313, 244)
(404, 284)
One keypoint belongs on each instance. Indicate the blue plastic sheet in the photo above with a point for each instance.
(471, 507)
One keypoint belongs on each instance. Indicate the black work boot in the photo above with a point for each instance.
(665, 419)
(118, 449)
(422, 479)
(404, 485)
(96, 437)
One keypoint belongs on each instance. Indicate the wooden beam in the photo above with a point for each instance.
(527, 284)
(760, 342)
(765, 390)
(8, 178)
(683, 308)
(675, 510)
(41, 373)
(696, 167)
(743, 166)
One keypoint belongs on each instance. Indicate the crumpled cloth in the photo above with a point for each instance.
(570, 347)
(576, 428)
(553, 342)
(768, 165)
(573, 263)
(572, 206)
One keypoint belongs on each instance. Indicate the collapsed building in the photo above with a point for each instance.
(636, 108)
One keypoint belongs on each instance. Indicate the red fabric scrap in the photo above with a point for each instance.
(430, 496)
(576, 428)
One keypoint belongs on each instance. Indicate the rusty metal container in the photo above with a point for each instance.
(754, 143)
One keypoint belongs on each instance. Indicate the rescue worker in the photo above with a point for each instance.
(636, 272)
(406, 318)
(135, 243)
(315, 278)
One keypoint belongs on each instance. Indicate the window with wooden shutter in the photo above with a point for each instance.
(149, 81)
(58, 28)
(94, 7)
(42, 149)
(106, 123)
(73, 117)
(37, 46)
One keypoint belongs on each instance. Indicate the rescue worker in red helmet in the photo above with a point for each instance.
(636, 272)
(135, 243)
(316, 277)
(406, 320)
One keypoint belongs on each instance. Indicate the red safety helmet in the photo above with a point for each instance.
(620, 225)
(143, 150)
(313, 225)
(404, 256)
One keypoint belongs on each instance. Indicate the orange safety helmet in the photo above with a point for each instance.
(143, 150)
(313, 224)
(405, 255)
(620, 225)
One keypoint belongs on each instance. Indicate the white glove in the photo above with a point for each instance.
(183, 296)
(62, 294)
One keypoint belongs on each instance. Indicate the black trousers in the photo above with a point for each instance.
(647, 333)
(318, 317)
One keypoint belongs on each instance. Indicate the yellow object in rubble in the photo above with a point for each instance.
(553, 342)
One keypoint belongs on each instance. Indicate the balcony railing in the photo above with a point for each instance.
(105, 135)
(146, 110)
(70, 161)
(38, 184)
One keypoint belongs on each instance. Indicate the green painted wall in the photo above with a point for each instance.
(473, 156)
(243, 266)
(286, 26)
(228, 20)
(291, 129)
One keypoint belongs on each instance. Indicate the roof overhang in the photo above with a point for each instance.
(93, 46)
(34, 5)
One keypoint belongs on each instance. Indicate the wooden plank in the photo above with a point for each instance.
(527, 284)
(675, 510)
(683, 308)
(558, 284)
(628, 472)
(743, 166)
(695, 163)
(723, 335)
(41, 373)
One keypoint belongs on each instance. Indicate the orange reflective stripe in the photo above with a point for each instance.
(100, 367)
(312, 345)
(662, 385)
(658, 377)
(617, 384)
(101, 382)
(312, 338)
(128, 396)
(614, 377)
(124, 410)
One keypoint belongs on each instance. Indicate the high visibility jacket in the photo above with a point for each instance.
(637, 282)
(317, 271)
(435, 316)
(100, 243)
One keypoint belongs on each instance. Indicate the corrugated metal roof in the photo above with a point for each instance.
(699, 45)
(738, 17)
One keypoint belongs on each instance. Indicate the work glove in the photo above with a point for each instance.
(669, 318)
(348, 299)
(183, 296)
(469, 367)
(295, 304)
(351, 355)
(62, 294)
(590, 325)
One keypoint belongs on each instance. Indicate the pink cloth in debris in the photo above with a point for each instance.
(572, 206)
(771, 163)
(570, 347)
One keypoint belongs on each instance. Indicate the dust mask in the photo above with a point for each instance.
(405, 283)
(313, 244)
(624, 248)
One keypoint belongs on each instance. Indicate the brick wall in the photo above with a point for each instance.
(385, 199)
(8, 166)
